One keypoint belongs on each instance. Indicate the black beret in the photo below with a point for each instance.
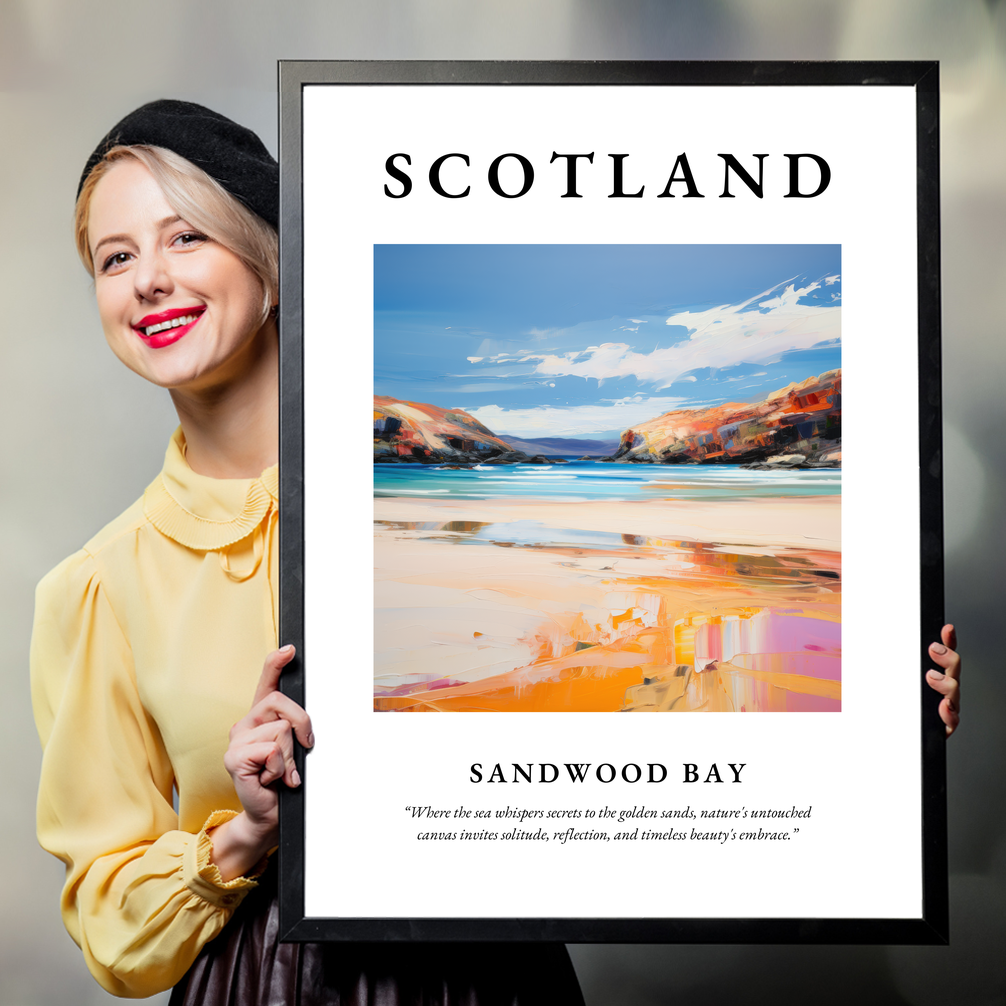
(231, 154)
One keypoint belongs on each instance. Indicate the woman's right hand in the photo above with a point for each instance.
(948, 681)
(259, 754)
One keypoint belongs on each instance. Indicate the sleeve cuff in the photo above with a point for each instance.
(202, 876)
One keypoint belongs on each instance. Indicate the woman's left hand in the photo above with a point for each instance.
(948, 681)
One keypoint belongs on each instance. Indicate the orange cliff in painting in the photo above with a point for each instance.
(423, 432)
(801, 422)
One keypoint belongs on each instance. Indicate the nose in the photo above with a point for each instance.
(152, 276)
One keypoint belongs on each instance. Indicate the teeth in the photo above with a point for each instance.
(174, 323)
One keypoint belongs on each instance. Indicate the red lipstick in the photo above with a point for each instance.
(166, 328)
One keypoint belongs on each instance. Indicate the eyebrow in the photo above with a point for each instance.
(111, 238)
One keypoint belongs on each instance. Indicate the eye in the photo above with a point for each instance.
(189, 239)
(115, 261)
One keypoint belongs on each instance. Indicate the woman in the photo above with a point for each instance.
(148, 643)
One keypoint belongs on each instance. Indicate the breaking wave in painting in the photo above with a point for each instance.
(593, 480)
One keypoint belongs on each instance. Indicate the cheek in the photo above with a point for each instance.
(246, 301)
(225, 280)
(113, 313)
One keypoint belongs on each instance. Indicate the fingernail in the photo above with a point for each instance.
(310, 740)
(295, 777)
(287, 649)
(938, 648)
(936, 675)
(951, 706)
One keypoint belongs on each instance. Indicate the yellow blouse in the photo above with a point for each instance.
(147, 647)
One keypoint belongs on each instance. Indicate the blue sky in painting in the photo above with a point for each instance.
(585, 340)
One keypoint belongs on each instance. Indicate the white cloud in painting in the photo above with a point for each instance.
(577, 420)
(758, 330)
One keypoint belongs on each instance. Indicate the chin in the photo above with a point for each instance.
(195, 365)
(170, 374)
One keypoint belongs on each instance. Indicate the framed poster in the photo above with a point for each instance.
(632, 452)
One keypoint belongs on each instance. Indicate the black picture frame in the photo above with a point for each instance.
(931, 927)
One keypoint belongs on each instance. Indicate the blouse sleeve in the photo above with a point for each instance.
(141, 898)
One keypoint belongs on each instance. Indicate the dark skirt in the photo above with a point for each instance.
(246, 965)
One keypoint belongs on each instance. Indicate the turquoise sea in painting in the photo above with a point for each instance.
(594, 480)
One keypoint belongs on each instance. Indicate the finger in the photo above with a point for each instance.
(276, 706)
(948, 659)
(949, 636)
(259, 760)
(274, 766)
(271, 670)
(279, 733)
(949, 708)
(945, 685)
(950, 716)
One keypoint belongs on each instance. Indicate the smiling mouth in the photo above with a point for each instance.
(165, 324)
(185, 319)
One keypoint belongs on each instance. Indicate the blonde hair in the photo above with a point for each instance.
(199, 200)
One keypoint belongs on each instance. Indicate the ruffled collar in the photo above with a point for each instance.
(203, 513)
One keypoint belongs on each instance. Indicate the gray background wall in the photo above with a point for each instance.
(81, 436)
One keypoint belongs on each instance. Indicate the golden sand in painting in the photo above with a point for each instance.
(504, 605)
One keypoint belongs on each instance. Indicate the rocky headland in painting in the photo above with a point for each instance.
(420, 433)
(798, 426)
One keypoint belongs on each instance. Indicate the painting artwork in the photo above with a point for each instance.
(607, 478)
